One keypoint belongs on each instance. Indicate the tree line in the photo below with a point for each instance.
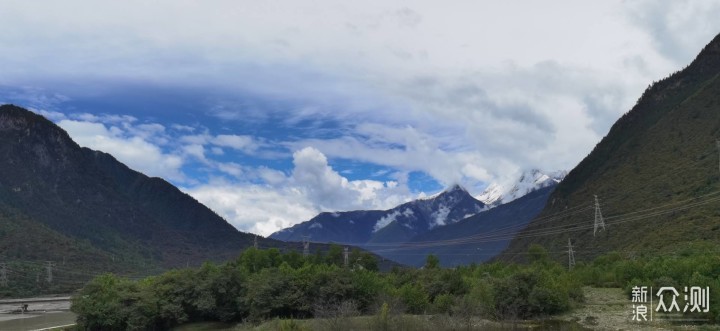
(266, 284)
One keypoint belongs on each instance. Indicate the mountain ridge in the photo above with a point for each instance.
(392, 225)
(657, 156)
(475, 239)
(46, 177)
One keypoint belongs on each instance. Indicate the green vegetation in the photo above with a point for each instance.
(25, 246)
(262, 285)
(266, 287)
(697, 264)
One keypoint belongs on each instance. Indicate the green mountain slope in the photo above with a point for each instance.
(88, 213)
(655, 173)
(27, 246)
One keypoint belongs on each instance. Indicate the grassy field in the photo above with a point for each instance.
(401, 322)
(604, 309)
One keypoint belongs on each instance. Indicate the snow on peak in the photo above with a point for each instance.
(448, 191)
(496, 194)
(492, 193)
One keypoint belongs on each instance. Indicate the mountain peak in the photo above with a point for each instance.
(14, 117)
(449, 191)
(87, 195)
(455, 188)
(496, 194)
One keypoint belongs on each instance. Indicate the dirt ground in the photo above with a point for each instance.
(611, 309)
(34, 305)
(41, 313)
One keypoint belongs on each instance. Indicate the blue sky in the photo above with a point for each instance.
(270, 112)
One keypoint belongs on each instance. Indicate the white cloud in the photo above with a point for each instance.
(319, 181)
(217, 151)
(196, 151)
(676, 28)
(386, 220)
(255, 208)
(330, 191)
(51, 115)
(440, 216)
(271, 176)
(134, 151)
(285, 200)
(242, 143)
(231, 168)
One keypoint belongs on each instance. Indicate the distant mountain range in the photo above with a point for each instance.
(400, 233)
(398, 224)
(655, 175)
(475, 239)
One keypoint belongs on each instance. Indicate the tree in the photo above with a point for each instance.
(414, 297)
(538, 254)
(432, 262)
(335, 255)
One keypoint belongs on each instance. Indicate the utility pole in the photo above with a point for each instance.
(346, 257)
(717, 142)
(3, 275)
(306, 246)
(49, 267)
(599, 222)
(571, 255)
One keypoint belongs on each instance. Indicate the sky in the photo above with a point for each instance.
(270, 112)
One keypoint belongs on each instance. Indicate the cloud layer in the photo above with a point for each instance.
(247, 105)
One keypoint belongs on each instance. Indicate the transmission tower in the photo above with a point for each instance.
(599, 222)
(3, 275)
(49, 267)
(255, 244)
(346, 258)
(306, 246)
(571, 255)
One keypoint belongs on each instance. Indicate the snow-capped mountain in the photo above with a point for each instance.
(504, 221)
(395, 225)
(496, 194)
